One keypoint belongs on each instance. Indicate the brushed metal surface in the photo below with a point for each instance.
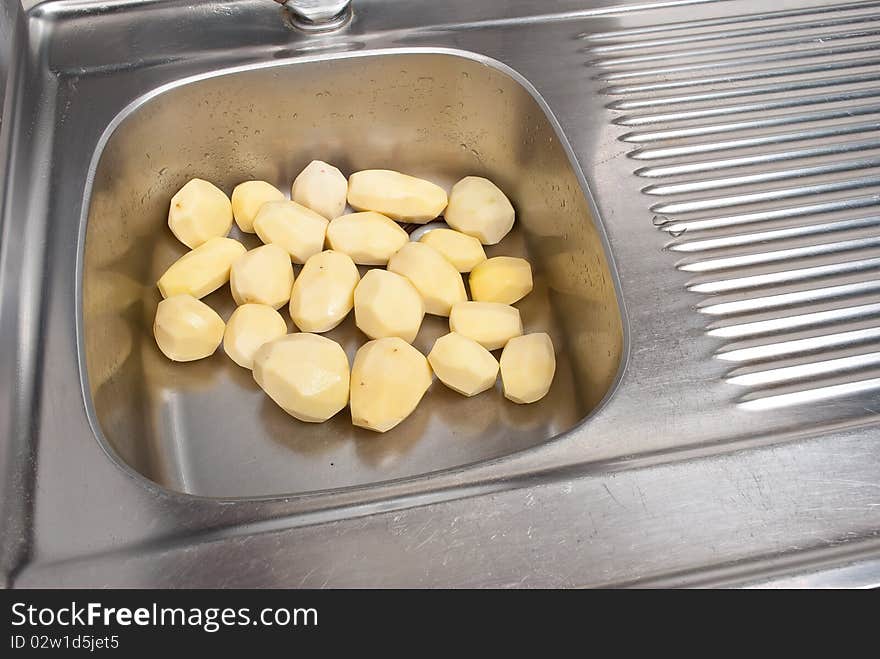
(741, 444)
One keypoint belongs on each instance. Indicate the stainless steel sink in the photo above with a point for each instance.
(696, 181)
(205, 428)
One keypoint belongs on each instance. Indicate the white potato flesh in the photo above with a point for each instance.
(388, 379)
(187, 329)
(480, 209)
(323, 294)
(464, 252)
(202, 270)
(399, 196)
(505, 279)
(305, 374)
(199, 211)
(463, 365)
(249, 327)
(490, 324)
(294, 228)
(322, 188)
(386, 304)
(528, 365)
(435, 278)
(248, 198)
(263, 275)
(368, 238)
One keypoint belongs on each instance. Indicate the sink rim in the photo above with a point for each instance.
(425, 477)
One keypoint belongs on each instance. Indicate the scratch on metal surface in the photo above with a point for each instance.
(307, 575)
(614, 498)
(426, 540)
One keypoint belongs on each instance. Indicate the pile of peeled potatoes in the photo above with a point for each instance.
(308, 374)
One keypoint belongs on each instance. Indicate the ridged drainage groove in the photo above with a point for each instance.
(758, 140)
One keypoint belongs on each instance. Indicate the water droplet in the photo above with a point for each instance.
(677, 233)
(660, 220)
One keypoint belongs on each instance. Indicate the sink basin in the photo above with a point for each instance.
(205, 428)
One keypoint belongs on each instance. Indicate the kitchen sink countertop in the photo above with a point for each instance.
(731, 161)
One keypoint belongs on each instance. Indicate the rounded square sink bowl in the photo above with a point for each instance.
(205, 428)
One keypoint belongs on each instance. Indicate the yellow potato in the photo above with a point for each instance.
(203, 270)
(187, 329)
(436, 280)
(306, 374)
(322, 188)
(490, 324)
(368, 238)
(249, 327)
(478, 208)
(386, 304)
(505, 279)
(263, 275)
(388, 379)
(293, 227)
(323, 294)
(464, 252)
(248, 198)
(463, 365)
(199, 211)
(400, 197)
(528, 365)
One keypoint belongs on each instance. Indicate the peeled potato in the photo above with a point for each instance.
(490, 324)
(249, 327)
(323, 294)
(368, 238)
(322, 188)
(400, 197)
(436, 280)
(462, 251)
(187, 329)
(478, 208)
(388, 379)
(203, 270)
(528, 365)
(504, 279)
(293, 227)
(386, 304)
(199, 211)
(248, 198)
(463, 365)
(263, 275)
(306, 374)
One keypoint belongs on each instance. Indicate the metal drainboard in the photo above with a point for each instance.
(757, 138)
